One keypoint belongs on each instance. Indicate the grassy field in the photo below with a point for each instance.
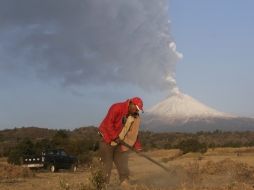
(218, 169)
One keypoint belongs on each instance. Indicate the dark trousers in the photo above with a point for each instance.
(110, 154)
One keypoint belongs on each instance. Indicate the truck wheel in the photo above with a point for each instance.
(52, 168)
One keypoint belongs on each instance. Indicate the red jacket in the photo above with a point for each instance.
(112, 125)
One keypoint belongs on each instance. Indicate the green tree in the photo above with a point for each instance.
(42, 145)
(61, 138)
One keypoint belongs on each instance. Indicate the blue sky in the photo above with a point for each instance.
(215, 37)
(217, 40)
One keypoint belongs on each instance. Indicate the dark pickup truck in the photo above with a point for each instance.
(52, 160)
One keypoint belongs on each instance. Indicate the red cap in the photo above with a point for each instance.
(138, 102)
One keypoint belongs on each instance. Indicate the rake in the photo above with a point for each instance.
(147, 157)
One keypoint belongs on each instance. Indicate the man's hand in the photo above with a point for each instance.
(135, 114)
(117, 140)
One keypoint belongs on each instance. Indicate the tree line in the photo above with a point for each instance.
(83, 142)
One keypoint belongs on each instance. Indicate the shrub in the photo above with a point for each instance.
(14, 157)
(85, 157)
(25, 147)
(192, 145)
(61, 138)
(11, 172)
(97, 178)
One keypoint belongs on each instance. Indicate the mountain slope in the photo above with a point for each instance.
(183, 106)
(180, 112)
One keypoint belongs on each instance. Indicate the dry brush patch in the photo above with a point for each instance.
(236, 175)
(240, 172)
(228, 150)
(12, 173)
(234, 186)
(65, 185)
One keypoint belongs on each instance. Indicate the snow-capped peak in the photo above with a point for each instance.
(179, 105)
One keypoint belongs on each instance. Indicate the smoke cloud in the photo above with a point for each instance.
(80, 42)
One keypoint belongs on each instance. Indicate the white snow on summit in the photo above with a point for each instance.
(181, 113)
(180, 105)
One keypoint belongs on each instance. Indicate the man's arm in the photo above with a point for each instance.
(109, 132)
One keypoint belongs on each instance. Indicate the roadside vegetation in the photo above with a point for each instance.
(83, 142)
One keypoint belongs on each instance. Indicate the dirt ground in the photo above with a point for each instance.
(220, 169)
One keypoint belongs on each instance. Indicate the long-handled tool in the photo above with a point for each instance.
(145, 156)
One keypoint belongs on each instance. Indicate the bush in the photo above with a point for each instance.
(9, 172)
(61, 138)
(42, 145)
(97, 178)
(192, 145)
(15, 157)
(24, 148)
(85, 157)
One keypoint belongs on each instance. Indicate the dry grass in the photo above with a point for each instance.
(219, 169)
(10, 173)
(240, 172)
(233, 186)
(65, 185)
(223, 151)
(225, 174)
(164, 153)
(172, 156)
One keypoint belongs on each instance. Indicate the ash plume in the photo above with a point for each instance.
(81, 42)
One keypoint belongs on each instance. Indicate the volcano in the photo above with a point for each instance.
(181, 113)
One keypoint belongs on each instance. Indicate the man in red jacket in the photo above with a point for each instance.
(110, 129)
